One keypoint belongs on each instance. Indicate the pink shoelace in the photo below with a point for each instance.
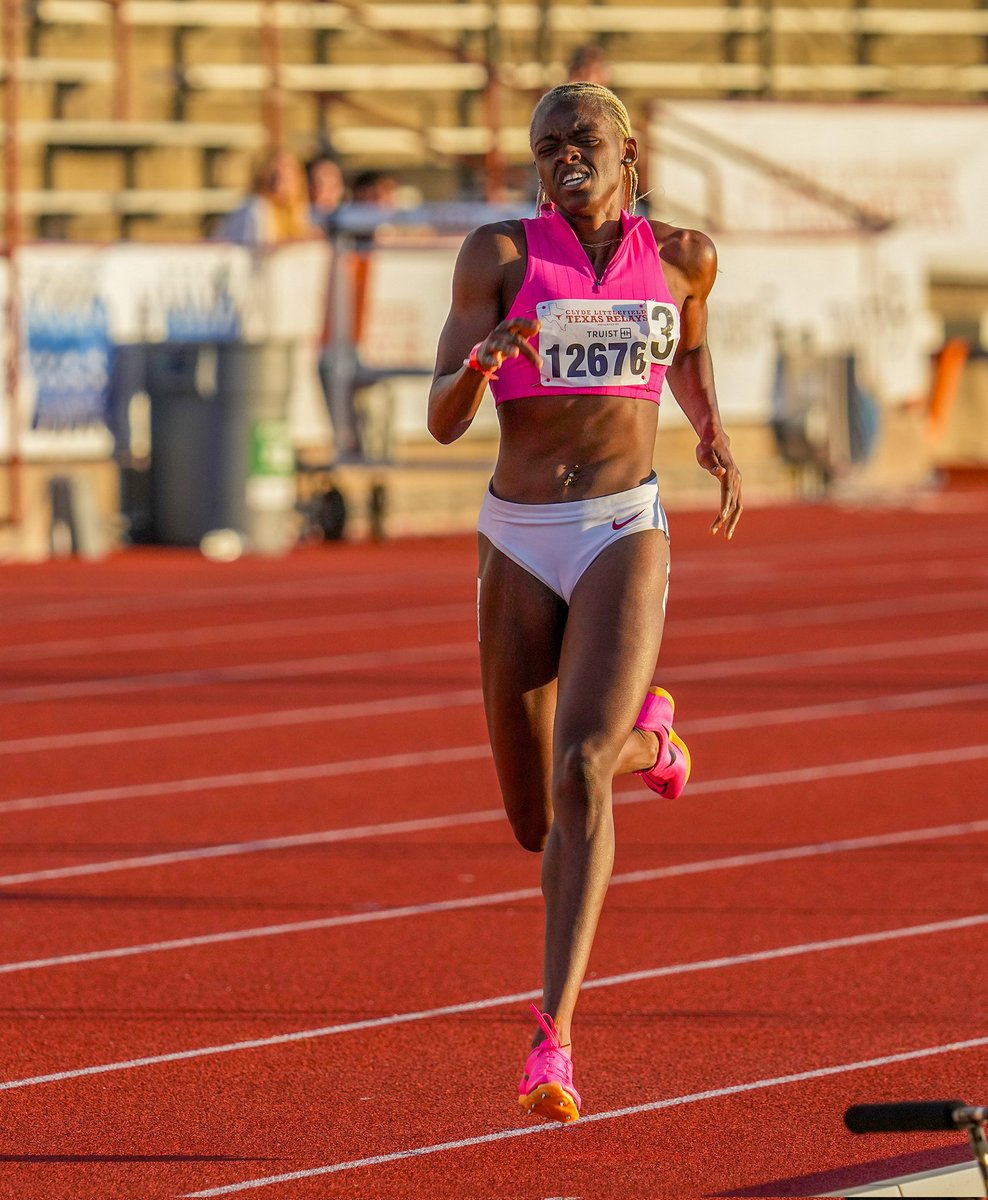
(554, 1058)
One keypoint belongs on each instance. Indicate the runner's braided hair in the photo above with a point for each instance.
(603, 98)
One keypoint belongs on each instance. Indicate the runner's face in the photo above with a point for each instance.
(578, 151)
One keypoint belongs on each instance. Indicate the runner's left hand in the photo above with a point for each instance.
(714, 455)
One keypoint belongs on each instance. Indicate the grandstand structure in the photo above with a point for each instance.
(140, 118)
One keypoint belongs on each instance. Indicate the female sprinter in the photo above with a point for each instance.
(575, 318)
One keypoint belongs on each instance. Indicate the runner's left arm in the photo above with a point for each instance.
(691, 374)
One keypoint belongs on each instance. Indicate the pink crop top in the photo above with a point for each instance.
(616, 334)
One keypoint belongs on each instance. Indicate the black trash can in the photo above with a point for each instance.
(221, 451)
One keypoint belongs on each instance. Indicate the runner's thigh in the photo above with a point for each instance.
(611, 645)
(521, 630)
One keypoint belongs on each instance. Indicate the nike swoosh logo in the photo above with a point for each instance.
(672, 763)
(616, 524)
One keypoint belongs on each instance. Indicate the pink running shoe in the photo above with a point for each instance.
(672, 768)
(546, 1086)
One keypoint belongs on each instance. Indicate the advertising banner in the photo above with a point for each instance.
(853, 295)
(838, 294)
(68, 353)
(79, 303)
(813, 168)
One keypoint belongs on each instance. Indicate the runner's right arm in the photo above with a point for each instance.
(474, 318)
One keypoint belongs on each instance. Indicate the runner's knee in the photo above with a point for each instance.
(581, 785)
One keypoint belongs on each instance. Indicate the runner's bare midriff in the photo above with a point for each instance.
(600, 444)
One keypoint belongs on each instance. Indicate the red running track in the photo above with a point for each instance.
(266, 932)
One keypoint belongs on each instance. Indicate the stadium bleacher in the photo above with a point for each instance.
(402, 84)
(141, 120)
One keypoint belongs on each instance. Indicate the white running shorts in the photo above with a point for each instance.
(557, 542)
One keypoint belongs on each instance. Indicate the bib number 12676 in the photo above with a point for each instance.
(604, 343)
(598, 360)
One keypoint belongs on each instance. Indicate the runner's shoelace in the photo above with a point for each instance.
(557, 1063)
(554, 1057)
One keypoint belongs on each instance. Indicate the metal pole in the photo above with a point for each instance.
(979, 1148)
(493, 109)
(273, 108)
(768, 47)
(12, 241)
(123, 57)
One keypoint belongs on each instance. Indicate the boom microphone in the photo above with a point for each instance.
(912, 1115)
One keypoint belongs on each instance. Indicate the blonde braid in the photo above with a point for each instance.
(584, 90)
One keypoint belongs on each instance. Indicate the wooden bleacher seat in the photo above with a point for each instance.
(54, 206)
(206, 14)
(111, 135)
(316, 77)
(154, 202)
(63, 71)
(521, 18)
(398, 83)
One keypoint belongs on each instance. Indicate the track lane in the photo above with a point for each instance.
(958, 651)
(154, 819)
(235, 992)
(750, 816)
(696, 1021)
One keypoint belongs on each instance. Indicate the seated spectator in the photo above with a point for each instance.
(376, 188)
(326, 190)
(277, 209)
(373, 202)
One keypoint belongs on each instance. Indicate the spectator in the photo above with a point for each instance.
(589, 64)
(358, 427)
(326, 190)
(277, 209)
(376, 188)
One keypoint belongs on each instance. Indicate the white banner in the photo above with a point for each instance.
(77, 303)
(851, 295)
(801, 168)
(840, 294)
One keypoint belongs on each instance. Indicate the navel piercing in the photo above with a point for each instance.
(572, 476)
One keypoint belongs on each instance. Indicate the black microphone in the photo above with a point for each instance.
(912, 1115)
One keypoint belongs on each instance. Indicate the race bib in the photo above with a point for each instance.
(605, 343)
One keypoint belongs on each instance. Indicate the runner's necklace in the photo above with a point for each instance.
(594, 245)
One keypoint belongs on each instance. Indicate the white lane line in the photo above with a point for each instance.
(830, 770)
(211, 635)
(241, 779)
(736, 1089)
(278, 718)
(871, 706)
(304, 627)
(472, 1006)
(241, 673)
(730, 862)
(272, 719)
(365, 660)
(129, 734)
(276, 775)
(328, 664)
(831, 656)
(467, 696)
(826, 614)
(230, 593)
(764, 564)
